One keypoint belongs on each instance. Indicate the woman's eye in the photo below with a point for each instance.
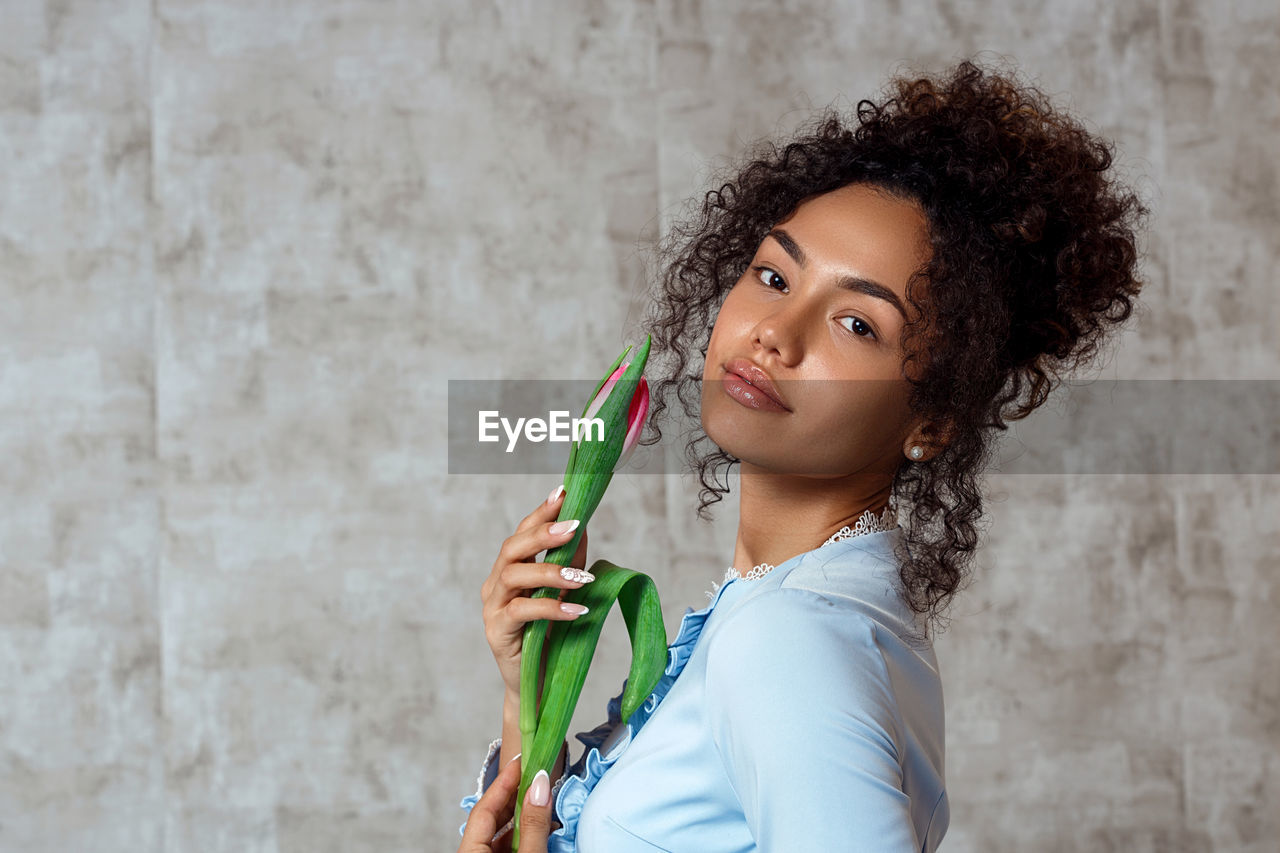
(771, 279)
(768, 277)
(859, 322)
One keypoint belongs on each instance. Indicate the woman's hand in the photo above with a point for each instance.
(498, 805)
(515, 577)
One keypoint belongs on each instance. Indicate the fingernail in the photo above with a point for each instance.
(555, 493)
(575, 609)
(513, 760)
(569, 573)
(540, 789)
(562, 527)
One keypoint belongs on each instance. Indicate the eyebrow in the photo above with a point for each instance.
(855, 283)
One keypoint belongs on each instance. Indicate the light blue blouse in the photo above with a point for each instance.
(794, 714)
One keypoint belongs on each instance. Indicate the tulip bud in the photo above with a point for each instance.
(635, 421)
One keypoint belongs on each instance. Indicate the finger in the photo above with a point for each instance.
(523, 546)
(504, 789)
(524, 578)
(512, 620)
(510, 791)
(512, 546)
(535, 821)
(481, 826)
(507, 612)
(492, 811)
(546, 511)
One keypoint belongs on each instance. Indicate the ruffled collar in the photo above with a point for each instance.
(866, 523)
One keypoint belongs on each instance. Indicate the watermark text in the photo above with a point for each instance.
(538, 430)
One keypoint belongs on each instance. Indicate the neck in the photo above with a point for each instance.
(782, 516)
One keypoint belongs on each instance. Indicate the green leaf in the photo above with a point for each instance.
(640, 607)
(573, 645)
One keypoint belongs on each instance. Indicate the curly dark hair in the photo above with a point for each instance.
(1033, 260)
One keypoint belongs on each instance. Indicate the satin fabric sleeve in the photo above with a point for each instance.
(801, 710)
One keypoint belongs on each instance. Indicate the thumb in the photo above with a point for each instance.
(535, 820)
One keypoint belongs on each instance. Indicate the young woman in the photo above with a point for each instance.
(871, 301)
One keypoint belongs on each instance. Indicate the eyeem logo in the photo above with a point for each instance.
(536, 429)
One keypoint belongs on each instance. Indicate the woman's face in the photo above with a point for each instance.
(802, 313)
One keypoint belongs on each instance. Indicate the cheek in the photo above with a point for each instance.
(713, 342)
(730, 319)
(724, 322)
(864, 411)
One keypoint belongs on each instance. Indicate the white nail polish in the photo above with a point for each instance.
(562, 527)
(540, 789)
(555, 493)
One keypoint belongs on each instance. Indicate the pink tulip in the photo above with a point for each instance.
(635, 421)
(636, 413)
(605, 390)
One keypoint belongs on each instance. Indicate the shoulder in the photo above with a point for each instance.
(801, 638)
(775, 621)
(789, 653)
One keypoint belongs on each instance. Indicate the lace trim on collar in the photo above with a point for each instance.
(866, 523)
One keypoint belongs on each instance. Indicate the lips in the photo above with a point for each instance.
(754, 375)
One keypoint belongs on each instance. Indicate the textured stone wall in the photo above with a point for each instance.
(243, 247)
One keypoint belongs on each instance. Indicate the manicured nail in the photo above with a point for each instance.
(540, 789)
(562, 527)
(575, 609)
(513, 760)
(569, 573)
(555, 494)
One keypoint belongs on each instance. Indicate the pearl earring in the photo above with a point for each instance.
(917, 452)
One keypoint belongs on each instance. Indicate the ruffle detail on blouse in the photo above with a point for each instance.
(607, 741)
(488, 773)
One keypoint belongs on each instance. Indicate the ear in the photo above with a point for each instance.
(933, 436)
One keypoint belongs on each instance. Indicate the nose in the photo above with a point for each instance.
(786, 328)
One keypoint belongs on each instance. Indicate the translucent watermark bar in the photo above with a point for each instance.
(1130, 426)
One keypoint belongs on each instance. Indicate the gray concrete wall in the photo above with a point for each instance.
(243, 247)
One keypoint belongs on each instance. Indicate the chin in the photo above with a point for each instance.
(756, 448)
